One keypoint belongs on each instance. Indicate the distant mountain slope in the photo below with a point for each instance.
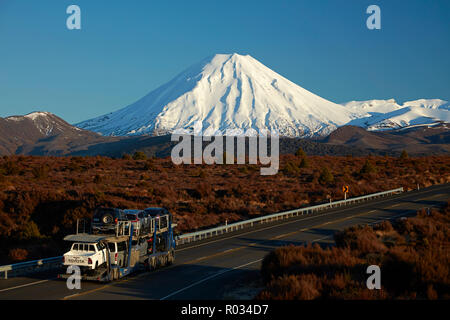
(42, 133)
(387, 114)
(226, 91)
(418, 140)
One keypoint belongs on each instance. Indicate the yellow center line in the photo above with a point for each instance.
(320, 225)
(97, 289)
(218, 254)
(86, 292)
(435, 196)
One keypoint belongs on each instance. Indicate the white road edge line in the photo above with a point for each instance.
(323, 238)
(25, 285)
(208, 278)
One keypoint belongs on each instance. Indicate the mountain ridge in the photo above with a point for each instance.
(41, 132)
(46, 134)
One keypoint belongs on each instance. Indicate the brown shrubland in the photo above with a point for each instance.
(413, 255)
(51, 193)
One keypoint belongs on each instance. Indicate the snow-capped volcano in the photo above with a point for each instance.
(226, 91)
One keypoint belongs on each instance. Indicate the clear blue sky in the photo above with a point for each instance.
(128, 48)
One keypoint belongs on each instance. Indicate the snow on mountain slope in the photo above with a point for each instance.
(387, 114)
(372, 106)
(45, 122)
(429, 104)
(226, 91)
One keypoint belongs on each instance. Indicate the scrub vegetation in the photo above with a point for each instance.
(413, 255)
(41, 198)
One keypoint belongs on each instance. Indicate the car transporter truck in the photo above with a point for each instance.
(107, 256)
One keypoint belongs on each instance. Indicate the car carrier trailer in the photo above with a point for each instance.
(147, 251)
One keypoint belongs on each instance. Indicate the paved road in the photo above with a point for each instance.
(217, 269)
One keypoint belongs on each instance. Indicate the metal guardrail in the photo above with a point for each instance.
(46, 264)
(205, 234)
(24, 267)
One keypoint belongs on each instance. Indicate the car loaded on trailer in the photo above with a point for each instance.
(141, 221)
(89, 254)
(106, 219)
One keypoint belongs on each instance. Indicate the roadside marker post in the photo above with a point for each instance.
(345, 190)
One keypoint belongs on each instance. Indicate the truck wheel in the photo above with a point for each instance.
(171, 257)
(151, 264)
(107, 218)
